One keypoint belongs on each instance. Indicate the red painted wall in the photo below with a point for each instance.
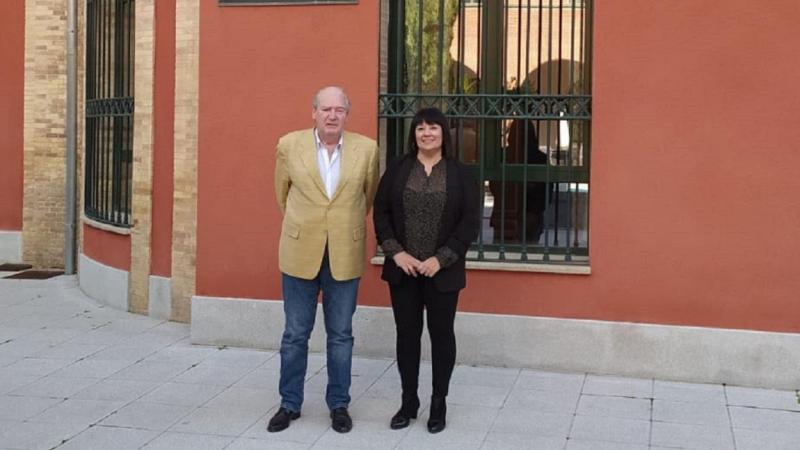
(107, 248)
(695, 215)
(259, 68)
(12, 72)
(163, 139)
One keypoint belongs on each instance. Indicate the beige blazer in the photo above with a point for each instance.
(310, 219)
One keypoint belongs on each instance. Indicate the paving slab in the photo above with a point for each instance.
(78, 375)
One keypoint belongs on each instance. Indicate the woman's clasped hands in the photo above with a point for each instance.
(413, 267)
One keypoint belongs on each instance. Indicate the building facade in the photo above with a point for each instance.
(636, 158)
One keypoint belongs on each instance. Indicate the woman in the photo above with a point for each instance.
(426, 216)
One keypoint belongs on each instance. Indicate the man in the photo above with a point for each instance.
(325, 182)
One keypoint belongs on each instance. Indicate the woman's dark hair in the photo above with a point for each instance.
(430, 116)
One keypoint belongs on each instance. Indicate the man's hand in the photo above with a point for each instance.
(406, 263)
(429, 267)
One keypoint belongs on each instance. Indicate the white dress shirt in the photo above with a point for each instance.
(329, 165)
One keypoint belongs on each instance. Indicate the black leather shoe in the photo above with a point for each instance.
(281, 420)
(436, 418)
(341, 421)
(403, 417)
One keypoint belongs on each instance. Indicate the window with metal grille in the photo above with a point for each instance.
(514, 77)
(109, 110)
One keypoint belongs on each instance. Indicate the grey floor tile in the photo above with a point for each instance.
(763, 398)
(36, 436)
(103, 337)
(78, 412)
(316, 384)
(132, 324)
(69, 350)
(370, 367)
(148, 416)
(220, 422)
(131, 353)
(375, 409)
(425, 372)
(366, 435)
(712, 414)
(465, 394)
(182, 394)
(105, 438)
(617, 407)
(418, 437)
(260, 400)
(92, 368)
(116, 390)
(53, 336)
(514, 441)
(609, 429)
(759, 439)
(388, 387)
(618, 386)
(39, 366)
(55, 387)
(764, 419)
(259, 379)
(699, 437)
(185, 441)
(464, 417)
(11, 380)
(231, 357)
(6, 361)
(176, 354)
(260, 444)
(214, 375)
(484, 376)
(550, 381)
(689, 392)
(21, 408)
(151, 371)
(544, 401)
(580, 444)
(523, 421)
(20, 348)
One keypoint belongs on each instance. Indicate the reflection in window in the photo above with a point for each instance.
(513, 76)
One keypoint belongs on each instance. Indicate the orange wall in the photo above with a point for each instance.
(163, 139)
(12, 71)
(259, 69)
(694, 207)
(110, 249)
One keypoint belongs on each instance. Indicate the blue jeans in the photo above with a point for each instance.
(300, 307)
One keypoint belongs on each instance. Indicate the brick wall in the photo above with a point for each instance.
(43, 135)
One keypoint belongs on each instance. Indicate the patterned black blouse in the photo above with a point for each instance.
(423, 202)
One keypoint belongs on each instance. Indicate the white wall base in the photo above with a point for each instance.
(706, 355)
(160, 302)
(10, 247)
(103, 283)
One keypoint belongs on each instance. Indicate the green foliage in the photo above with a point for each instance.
(435, 51)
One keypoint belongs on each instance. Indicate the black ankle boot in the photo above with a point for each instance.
(436, 418)
(403, 417)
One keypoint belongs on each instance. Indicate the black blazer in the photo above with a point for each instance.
(458, 226)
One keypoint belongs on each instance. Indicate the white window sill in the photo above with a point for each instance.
(105, 227)
(511, 266)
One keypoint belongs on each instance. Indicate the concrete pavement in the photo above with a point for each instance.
(77, 375)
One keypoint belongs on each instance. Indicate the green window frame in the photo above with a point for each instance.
(109, 111)
(514, 77)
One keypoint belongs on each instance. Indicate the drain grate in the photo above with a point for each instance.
(35, 275)
(9, 267)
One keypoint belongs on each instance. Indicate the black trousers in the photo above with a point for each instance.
(409, 298)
